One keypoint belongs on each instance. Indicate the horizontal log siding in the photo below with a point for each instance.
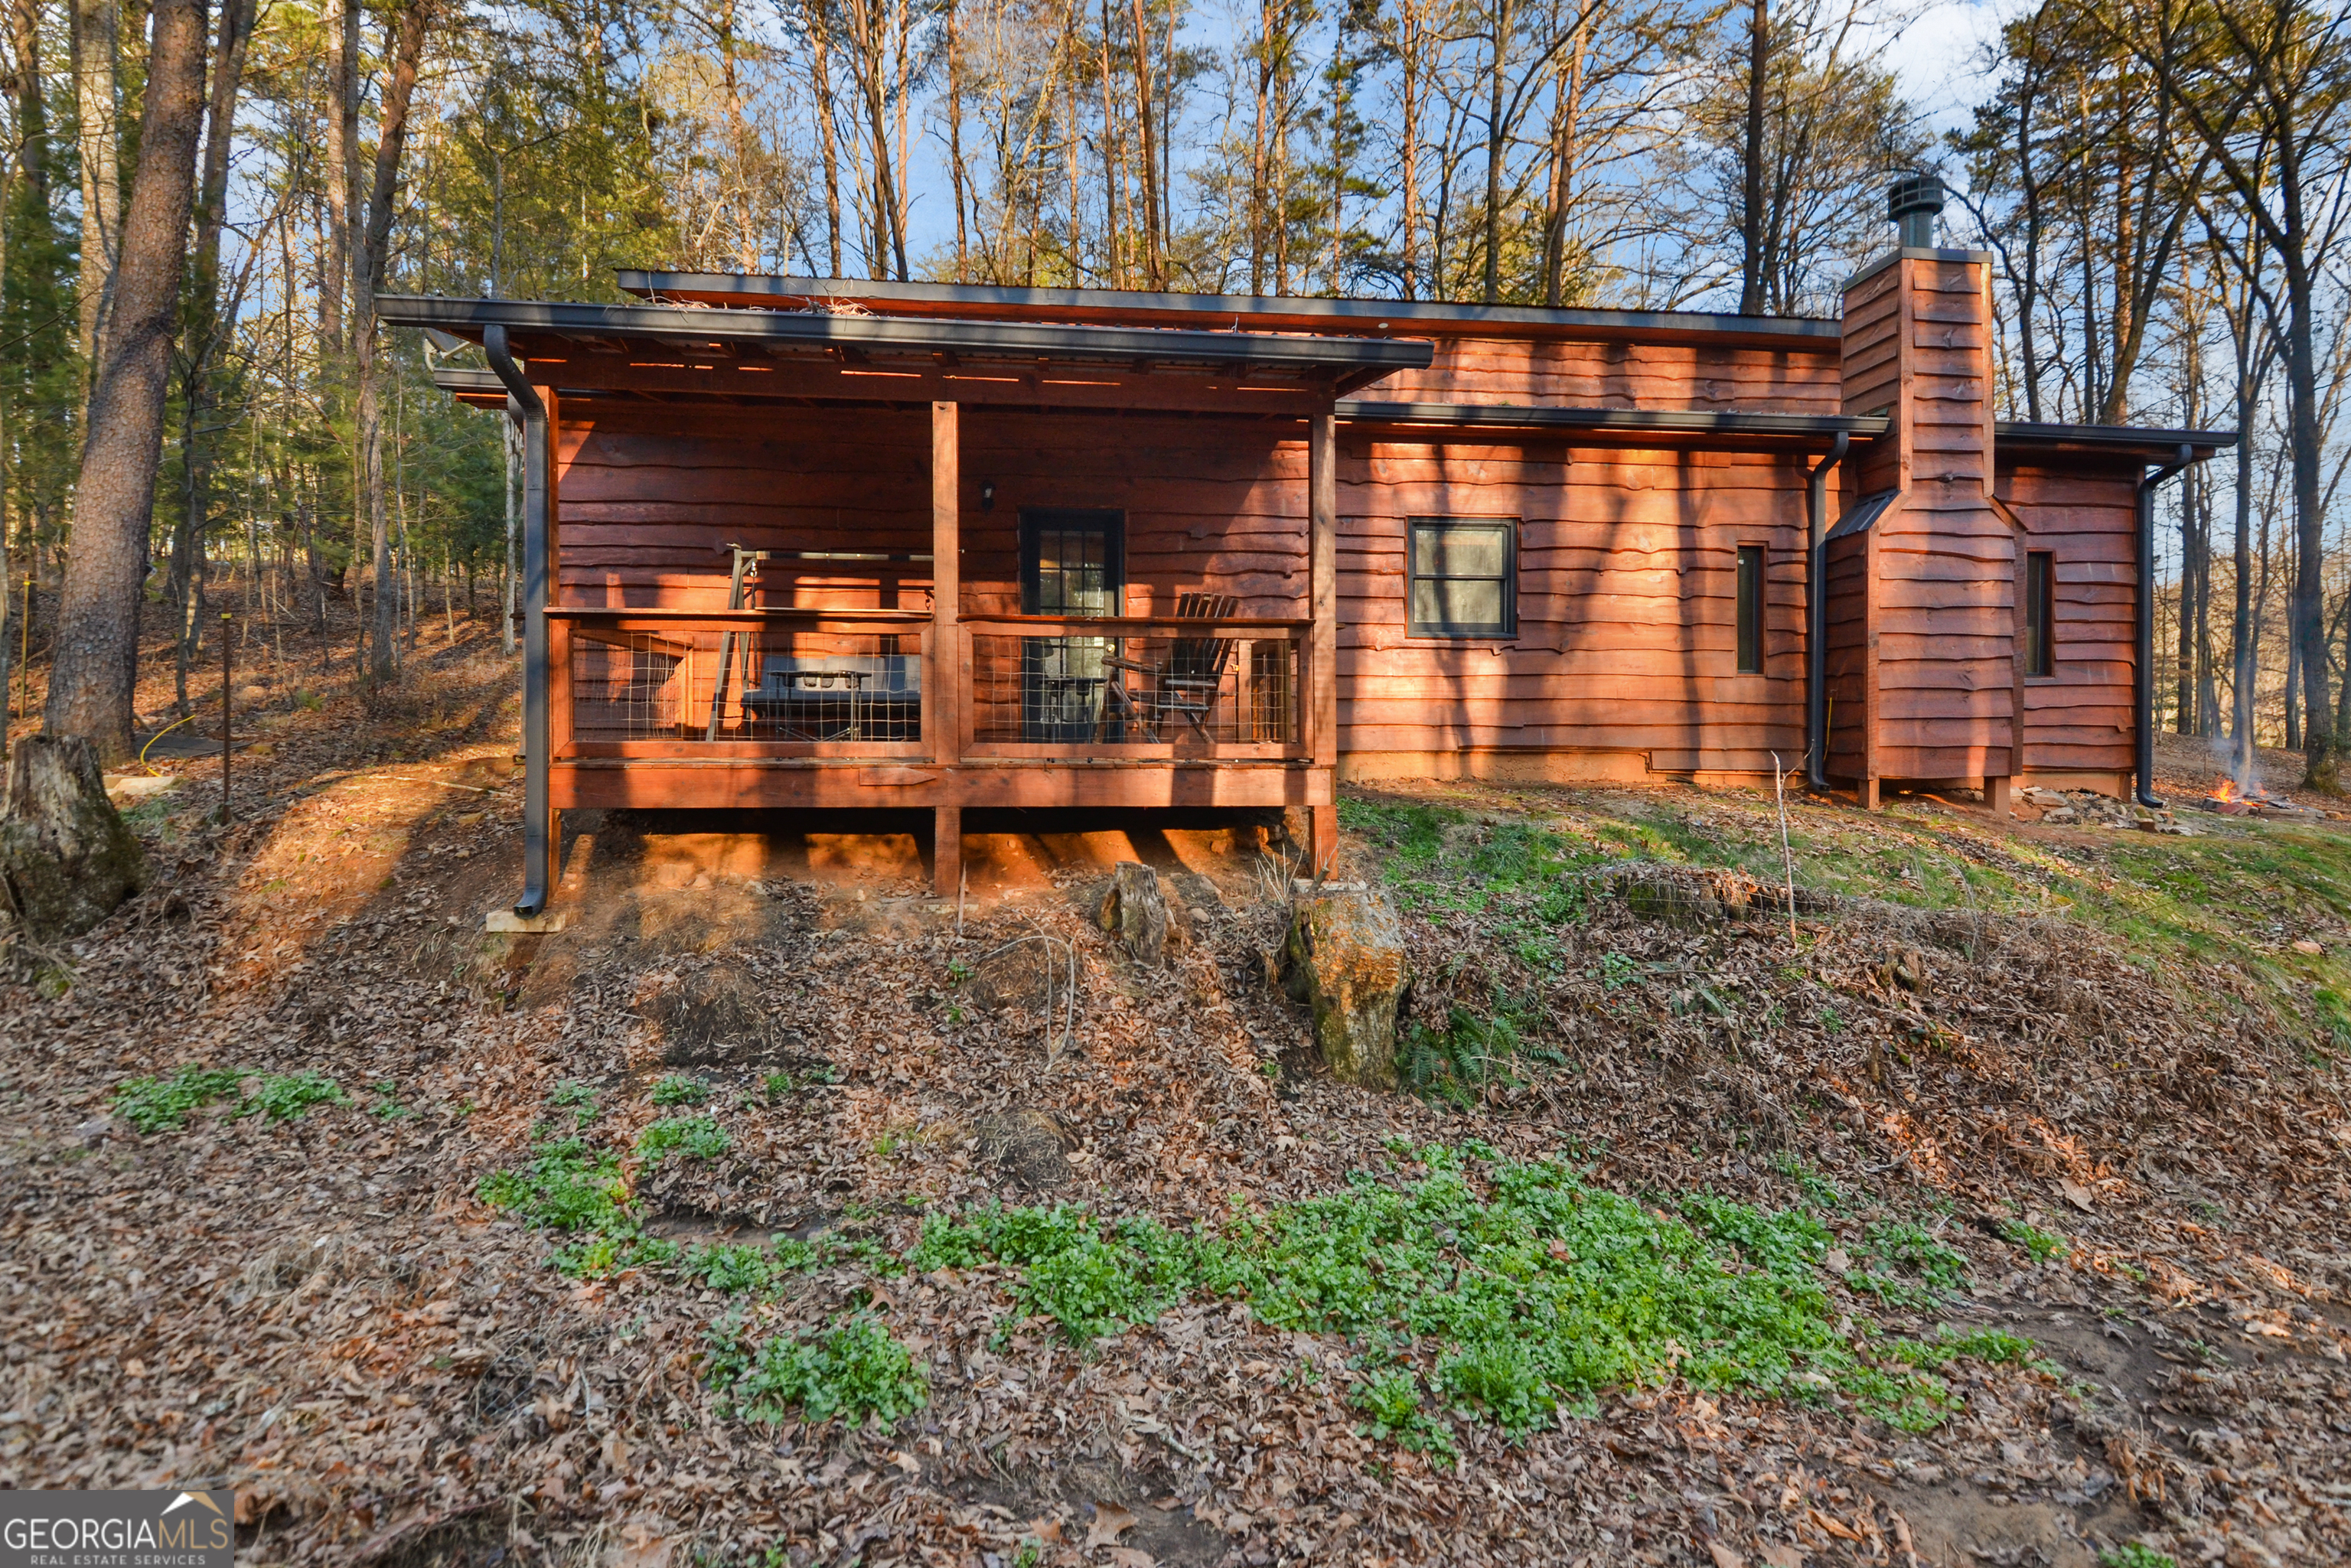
(1847, 660)
(2086, 517)
(649, 497)
(1712, 377)
(1627, 613)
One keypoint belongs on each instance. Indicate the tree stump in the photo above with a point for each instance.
(1345, 959)
(65, 857)
(1135, 909)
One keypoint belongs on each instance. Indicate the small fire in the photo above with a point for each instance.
(2227, 791)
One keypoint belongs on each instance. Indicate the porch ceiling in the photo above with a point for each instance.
(680, 350)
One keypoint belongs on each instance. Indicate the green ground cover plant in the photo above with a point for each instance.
(854, 1369)
(699, 1136)
(677, 1088)
(1530, 1290)
(161, 1104)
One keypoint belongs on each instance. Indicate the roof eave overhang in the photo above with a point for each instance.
(1344, 362)
(2013, 438)
(1811, 335)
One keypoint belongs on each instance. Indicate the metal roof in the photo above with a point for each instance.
(818, 331)
(1422, 313)
(1863, 513)
(2123, 440)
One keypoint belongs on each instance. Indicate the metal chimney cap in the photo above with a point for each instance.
(1914, 193)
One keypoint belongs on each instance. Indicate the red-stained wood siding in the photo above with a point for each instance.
(1627, 614)
(2085, 516)
(1677, 376)
(1942, 561)
(1847, 663)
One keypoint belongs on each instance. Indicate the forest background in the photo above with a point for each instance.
(199, 199)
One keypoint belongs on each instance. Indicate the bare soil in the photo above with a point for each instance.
(320, 1312)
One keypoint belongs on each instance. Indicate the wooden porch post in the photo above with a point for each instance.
(946, 675)
(1323, 592)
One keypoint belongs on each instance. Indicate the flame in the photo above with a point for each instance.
(2227, 791)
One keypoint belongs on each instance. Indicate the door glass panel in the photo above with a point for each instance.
(1071, 569)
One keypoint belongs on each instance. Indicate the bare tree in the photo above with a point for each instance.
(91, 681)
(367, 278)
(2265, 86)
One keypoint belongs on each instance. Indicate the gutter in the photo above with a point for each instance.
(1816, 617)
(524, 407)
(2144, 670)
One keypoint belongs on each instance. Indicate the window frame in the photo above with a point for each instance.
(1032, 523)
(2040, 615)
(1750, 604)
(1456, 632)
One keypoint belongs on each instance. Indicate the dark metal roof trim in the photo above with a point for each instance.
(817, 330)
(752, 288)
(2124, 438)
(1863, 513)
(1656, 421)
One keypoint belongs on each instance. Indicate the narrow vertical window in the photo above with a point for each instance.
(2039, 614)
(1750, 609)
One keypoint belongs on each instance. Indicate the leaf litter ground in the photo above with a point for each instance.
(768, 1214)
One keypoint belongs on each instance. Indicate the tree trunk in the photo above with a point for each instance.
(96, 667)
(97, 52)
(342, 33)
(1499, 60)
(367, 278)
(204, 327)
(65, 857)
(1154, 273)
(2321, 762)
(820, 80)
(1751, 210)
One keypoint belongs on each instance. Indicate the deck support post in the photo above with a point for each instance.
(1322, 593)
(524, 405)
(946, 850)
(947, 678)
(1997, 796)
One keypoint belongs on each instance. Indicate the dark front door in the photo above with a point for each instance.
(1072, 563)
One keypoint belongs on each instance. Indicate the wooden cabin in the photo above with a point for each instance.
(819, 543)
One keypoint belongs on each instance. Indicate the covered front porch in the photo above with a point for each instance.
(821, 562)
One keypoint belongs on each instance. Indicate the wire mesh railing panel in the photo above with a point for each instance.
(753, 683)
(1167, 687)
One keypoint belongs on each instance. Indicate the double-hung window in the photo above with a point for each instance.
(1463, 576)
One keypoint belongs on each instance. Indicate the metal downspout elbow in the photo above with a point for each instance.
(526, 408)
(1816, 616)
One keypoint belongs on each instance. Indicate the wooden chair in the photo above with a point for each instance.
(1184, 685)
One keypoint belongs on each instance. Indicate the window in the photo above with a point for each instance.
(2039, 614)
(1464, 577)
(1750, 609)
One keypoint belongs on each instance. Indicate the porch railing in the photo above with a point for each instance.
(758, 681)
(766, 683)
(1134, 686)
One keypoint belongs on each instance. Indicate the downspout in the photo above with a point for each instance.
(2144, 671)
(524, 407)
(1817, 618)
